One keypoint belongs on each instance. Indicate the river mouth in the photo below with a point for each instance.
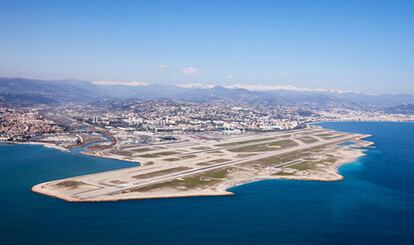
(85, 147)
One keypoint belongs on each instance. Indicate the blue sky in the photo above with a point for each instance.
(363, 45)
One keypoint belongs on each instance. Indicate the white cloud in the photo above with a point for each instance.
(270, 87)
(190, 71)
(263, 87)
(113, 83)
(195, 85)
(251, 87)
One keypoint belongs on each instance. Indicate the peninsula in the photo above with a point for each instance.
(208, 164)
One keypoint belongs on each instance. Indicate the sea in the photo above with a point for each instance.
(374, 204)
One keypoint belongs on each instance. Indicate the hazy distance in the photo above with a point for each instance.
(364, 46)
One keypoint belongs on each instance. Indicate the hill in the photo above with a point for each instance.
(31, 91)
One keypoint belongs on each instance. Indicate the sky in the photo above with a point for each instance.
(363, 45)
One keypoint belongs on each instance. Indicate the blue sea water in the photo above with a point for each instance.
(373, 205)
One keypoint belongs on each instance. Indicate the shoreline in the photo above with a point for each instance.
(316, 161)
(222, 190)
(44, 144)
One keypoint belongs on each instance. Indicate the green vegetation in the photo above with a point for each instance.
(252, 148)
(328, 136)
(201, 148)
(284, 173)
(139, 150)
(158, 154)
(192, 182)
(171, 159)
(215, 152)
(284, 158)
(244, 142)
(308, 140)
(72, 184)
(309, 159)
(186, 183)
(188, 157)
(330, 160)
(312, 164)
(122, 153)
(281, 144)
(316, 131)
(117, 182)
(325, 135)
(211, 162)
(303, 166)
(335, 136)
(217, 174)
(161, 172)
(197, 181)
(245, 155)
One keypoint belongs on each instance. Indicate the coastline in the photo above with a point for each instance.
(44, 144)
(224, 189)
(316, 161)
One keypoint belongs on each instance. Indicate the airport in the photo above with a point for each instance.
(202, 164)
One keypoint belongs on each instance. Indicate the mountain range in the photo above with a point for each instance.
(24, 91)
(407, 109)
